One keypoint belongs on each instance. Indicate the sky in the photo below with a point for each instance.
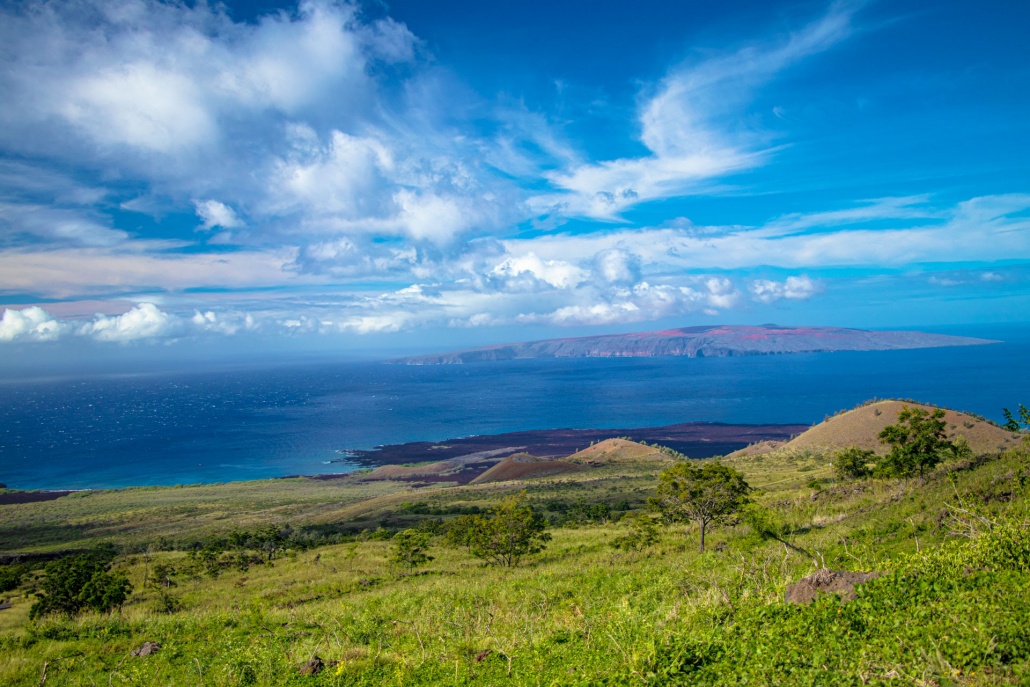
(179, 179)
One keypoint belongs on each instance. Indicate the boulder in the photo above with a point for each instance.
(824, 581)
(147, 649)
(312, 667)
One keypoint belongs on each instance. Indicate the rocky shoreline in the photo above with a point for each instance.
(693, 439)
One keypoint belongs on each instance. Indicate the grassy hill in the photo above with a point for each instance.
(861, 426)
(949, 609)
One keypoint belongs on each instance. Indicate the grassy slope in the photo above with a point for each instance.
(580, 613)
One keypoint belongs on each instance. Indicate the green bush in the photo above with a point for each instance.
(10, 577)
(79, 583)
(409, 548)
(511, 531)
(852, 463)
(643, 532)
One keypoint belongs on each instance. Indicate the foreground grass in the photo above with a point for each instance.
(951, 610)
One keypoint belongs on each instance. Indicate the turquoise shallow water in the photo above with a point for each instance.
(277, 420)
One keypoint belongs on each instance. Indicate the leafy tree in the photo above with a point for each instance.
(643, 532)
(511, 531)
(852, 462)
(75, 584)
(1014, 424)
(410, 548)
(461, 531)
(917, 442)
(705, 494)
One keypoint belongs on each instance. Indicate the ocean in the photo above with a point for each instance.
(226, 425)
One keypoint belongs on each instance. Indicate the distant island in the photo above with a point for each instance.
(698, 342)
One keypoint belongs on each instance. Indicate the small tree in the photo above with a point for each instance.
(917, 442)
(705, 495)
(852, 462)
(643, 532)
(1019, 424)
(410, 548)
(511, 531)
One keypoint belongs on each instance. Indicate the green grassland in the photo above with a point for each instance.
(950, 610)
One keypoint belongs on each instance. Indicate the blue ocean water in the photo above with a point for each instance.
(217, 426)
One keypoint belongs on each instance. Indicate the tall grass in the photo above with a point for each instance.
(951, 609)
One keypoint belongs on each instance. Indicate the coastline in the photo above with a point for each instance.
(693, 439)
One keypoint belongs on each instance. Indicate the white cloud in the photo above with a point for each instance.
(911, 207)
(68, 272)
(616, 266)
(987, 228)
(145, 321)
(216, 214)
(793, 288)
(139, 105)
(32, 324)
(223, 323)
(164, 78)
(59, 225)
(525, 271)
(693, 126)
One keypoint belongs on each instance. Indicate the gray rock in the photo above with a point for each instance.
(824, 581)
(147, 649)
(312, 667)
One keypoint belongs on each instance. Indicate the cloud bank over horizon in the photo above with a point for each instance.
(172, 173)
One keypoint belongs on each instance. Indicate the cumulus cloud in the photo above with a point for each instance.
(223, 323)
(145, 321)
(793, 288)
(528, 271)
(216, 214)
(617, 266)
(162, 78)
(364, 190)
(641, 303)
(30, 324)
(288, 117)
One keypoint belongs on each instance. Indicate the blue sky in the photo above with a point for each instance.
(403, 175)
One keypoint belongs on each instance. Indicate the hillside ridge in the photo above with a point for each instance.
(702, 341)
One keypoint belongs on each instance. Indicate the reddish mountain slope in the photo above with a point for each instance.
(695, 342)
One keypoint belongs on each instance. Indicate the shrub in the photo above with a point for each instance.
(410, 548)
(511, 531)
(643, 532)
(75, 584)
(10, 577)
(852, 463)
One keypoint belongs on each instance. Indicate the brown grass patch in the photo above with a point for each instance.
(618, 451)
(861, 427)
(525, 466)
